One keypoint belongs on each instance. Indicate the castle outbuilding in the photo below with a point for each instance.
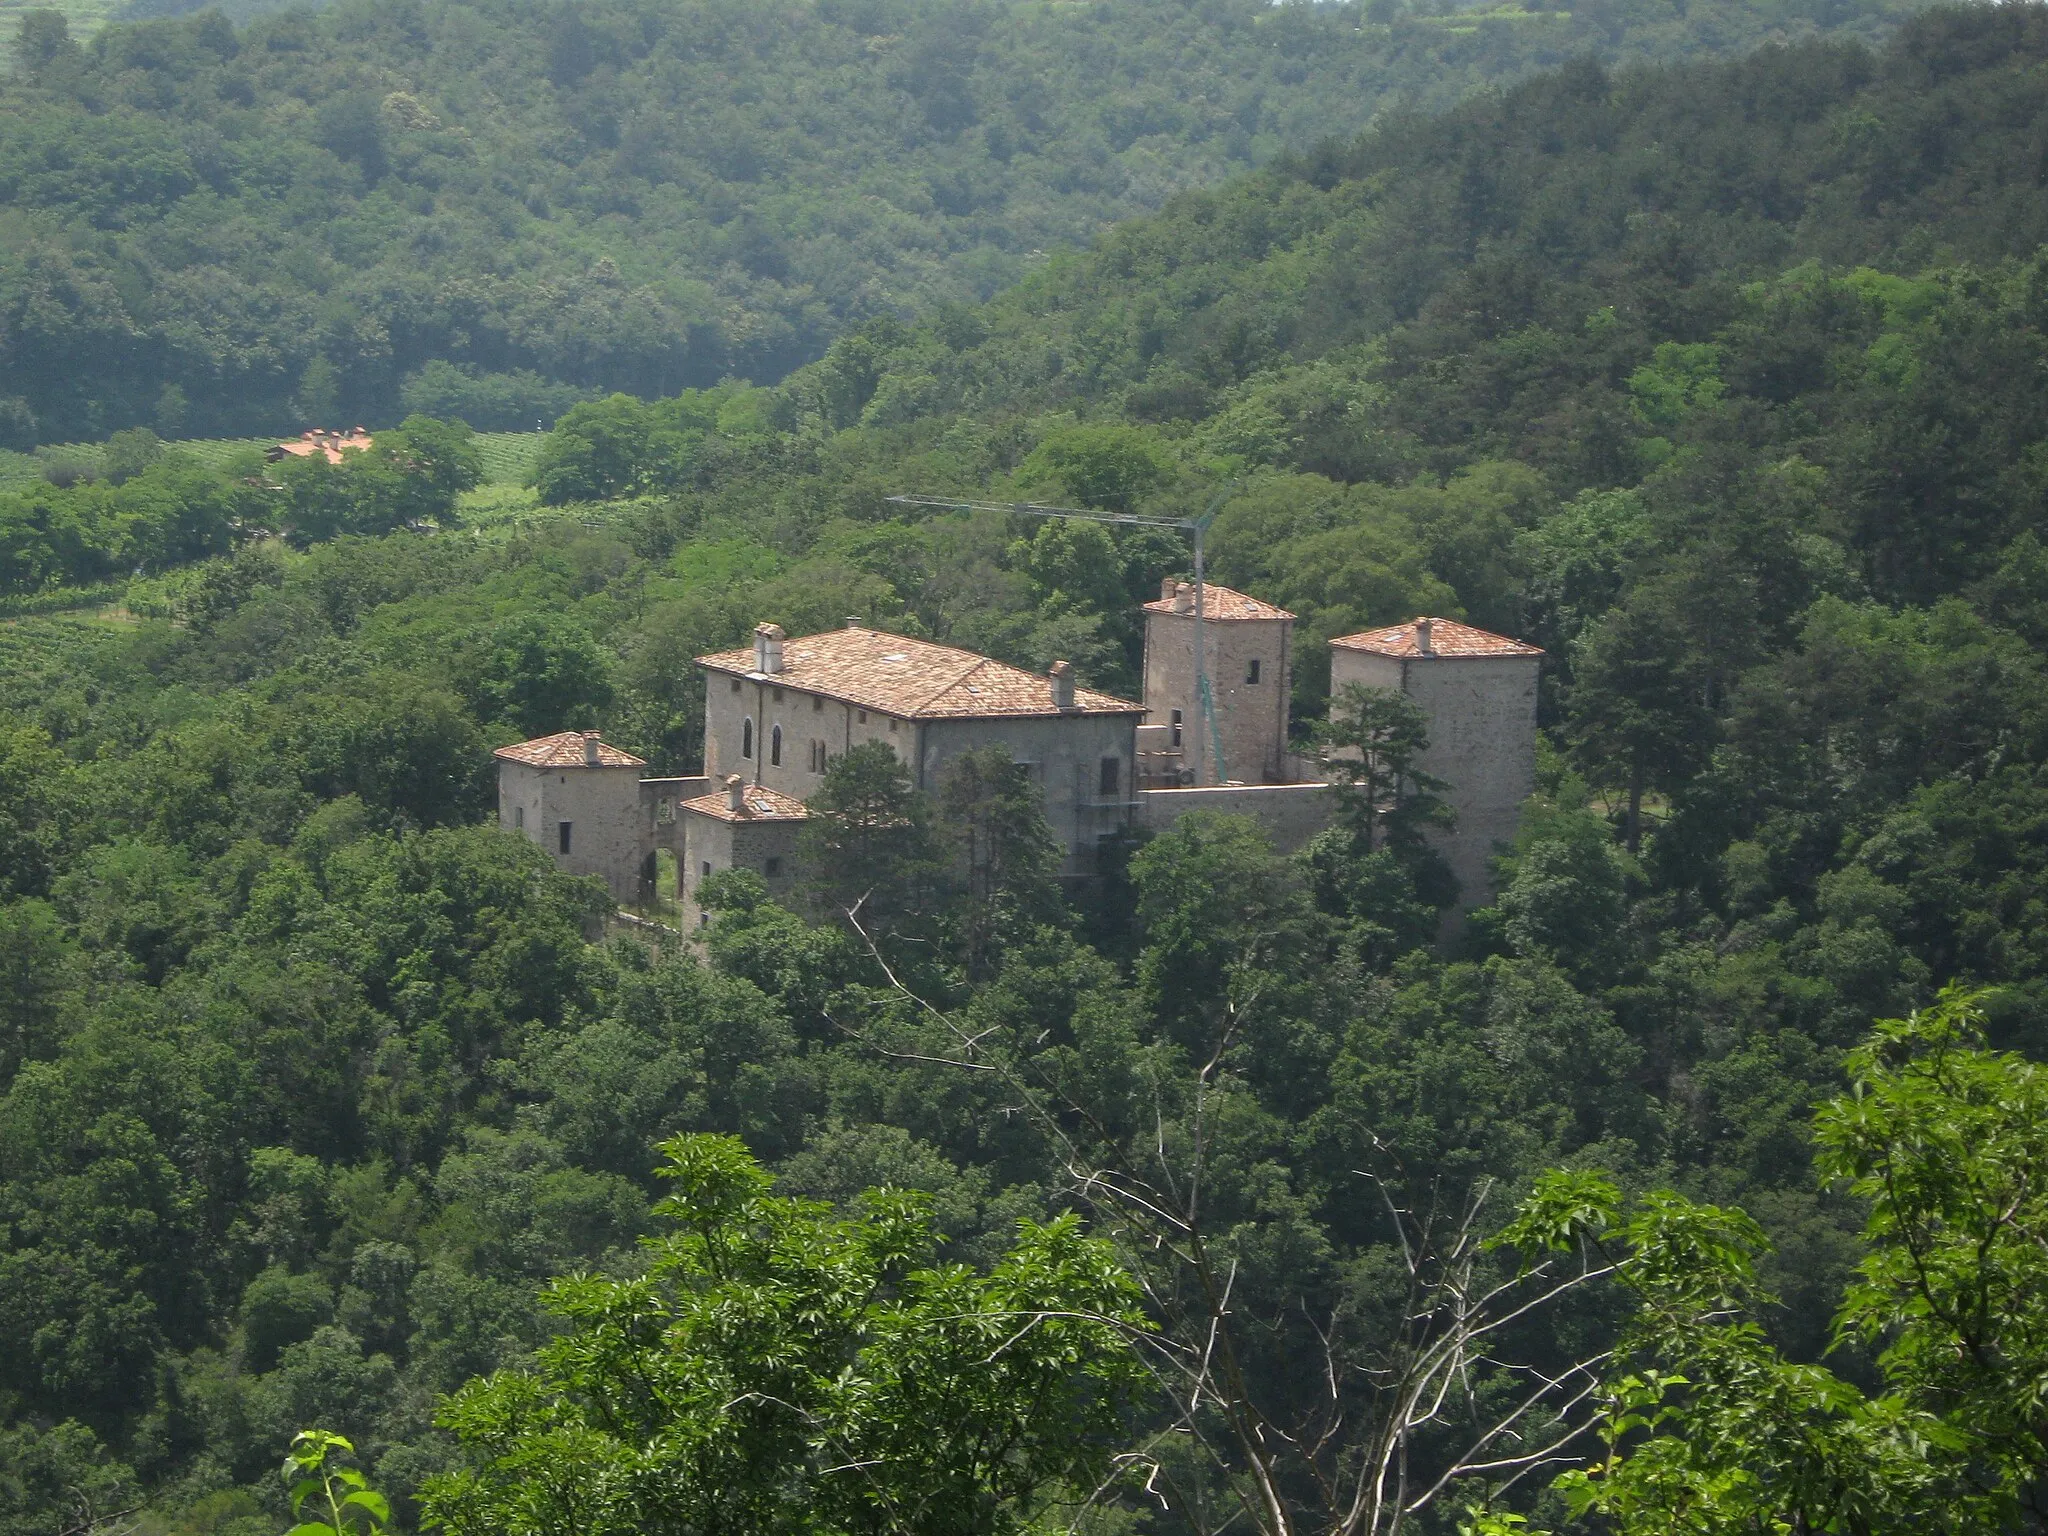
(579, 799)
(1241, 736)
(1478, 691)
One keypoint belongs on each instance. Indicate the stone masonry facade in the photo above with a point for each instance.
(779, 713)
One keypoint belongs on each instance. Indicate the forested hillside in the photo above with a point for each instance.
(1722, 381)
(486, 209)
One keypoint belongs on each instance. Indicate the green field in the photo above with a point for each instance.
(507, 456)
(85, 16)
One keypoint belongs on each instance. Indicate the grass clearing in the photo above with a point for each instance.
(508, 456)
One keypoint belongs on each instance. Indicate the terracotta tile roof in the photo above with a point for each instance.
(1222, 603)
(564, 749)
(911, 679)
(321, 441)
(763, 804)
(1447, 637)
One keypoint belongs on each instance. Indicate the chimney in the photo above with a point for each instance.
(1168, 589)
(1183, 597)
(590, 753)
(735, 792)
(768, 648)
(1062, 679)
(1422, 641)
(853, 621)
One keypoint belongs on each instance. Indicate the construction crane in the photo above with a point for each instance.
(1209, 741)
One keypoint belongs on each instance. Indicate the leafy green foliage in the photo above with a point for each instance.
(309, 1468)
(773, 1366)
(1707, 1425)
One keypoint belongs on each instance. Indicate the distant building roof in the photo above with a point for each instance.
(330, 444)
(911, 679)
(565, 749)
(763, 804)
(1218, 603)
(1447, 637)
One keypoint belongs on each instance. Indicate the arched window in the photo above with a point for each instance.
(775, 747)
(747, 737)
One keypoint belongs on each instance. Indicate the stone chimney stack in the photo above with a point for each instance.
(735, 792)
(1169, 588)
(1423, 644)
(853, 621)
(590, 753)
(768, 648)
(1062, 679)
(1183, 597)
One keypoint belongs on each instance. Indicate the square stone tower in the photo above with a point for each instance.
(1247, 644)
(1479, 692)
(580, 800)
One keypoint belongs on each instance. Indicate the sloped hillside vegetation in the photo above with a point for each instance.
(489, 210)
(1723, 382)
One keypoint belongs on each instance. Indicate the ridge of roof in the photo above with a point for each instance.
(911, 679)
(762, 804)
(1222, 605)
(564, 749)
(1447, 638)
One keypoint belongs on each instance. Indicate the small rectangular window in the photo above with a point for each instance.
(892, 725)
(863, 717)
(817, 706)
(519, 817)
(774, 868)
(1251, 672)
(562, 834)
(778, 695)
(1176, 727)
(704, 870)
(735, 685)
(1112, 776)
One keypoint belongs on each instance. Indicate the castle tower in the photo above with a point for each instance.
(1247, 644)
(580, 800)
(1479, 692)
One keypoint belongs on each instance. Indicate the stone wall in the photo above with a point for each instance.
(1290, 813)
(804, 718)
(1065, 754)
(609, 835)
(711, 844)
(1482, 742)
(1251, 718)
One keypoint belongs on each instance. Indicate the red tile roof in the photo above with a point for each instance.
(1223, 604)
(763, 804)
(911, 679)
(321, 441)
(564, 749)
(1447, 637)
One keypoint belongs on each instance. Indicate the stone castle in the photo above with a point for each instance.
(776, 715)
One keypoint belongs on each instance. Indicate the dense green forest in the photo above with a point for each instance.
(1722, 381)
(489, 210)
